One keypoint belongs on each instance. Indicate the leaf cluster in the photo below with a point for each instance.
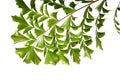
(55, 41)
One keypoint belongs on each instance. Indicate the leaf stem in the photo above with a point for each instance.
(39, 37)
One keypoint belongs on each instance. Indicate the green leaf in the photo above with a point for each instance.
(76, 35)
(100, 6)
(18, 37)
(48, 38)
(61, 1)
(72, 4)
(41, 27)
(106, 3)
(20, 20)
(81, 23)
(90, 9)
(100, 34)
(66, 24)
(118, 29)
(101, 21)
(28, 28)
(81, 44)
(62, 46)
(29, 43)
(99, 25)
(21, 27)
(65, 51)
(39, 50)
(57, 6)
(52, 22)
(73, 44)
(85, 1)
(28, 54)
(88, 42)
(75, 27)
(87, 52)
(54, 15)
(116, 22)
(31, 22)
(99, 43)
(30, 35)
(31, 56)
(90, 16)
(86, 30)
(23, 6)
(41, 43)
(87, 26)
(22, 51)
(52, 32)
(43, 18)
(102, 15)
(63, 58)
(75, 53)
(59, 29)
(75, 39)
(36, 24)
(41, 8)
(118, 8)
(31, 14)
(105, 10)
(39, 32)
(89, 20)
(77, 0)
(36, 16)
(59, 36)
(46, 1)
(46, 10)
(86, 12)
(87, 37)
(68, 10)
(32, 4)
(51, 58)
(60, 42)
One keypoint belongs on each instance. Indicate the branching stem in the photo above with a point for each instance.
(39, 37)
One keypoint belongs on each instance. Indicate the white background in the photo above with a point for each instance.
(105, 65)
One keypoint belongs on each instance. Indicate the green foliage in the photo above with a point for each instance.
(21, 4)
(75, 53)
(116, 22)
(29, 54)
(32, 4)
(18, 37)
(39, 31)
(100, 22)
